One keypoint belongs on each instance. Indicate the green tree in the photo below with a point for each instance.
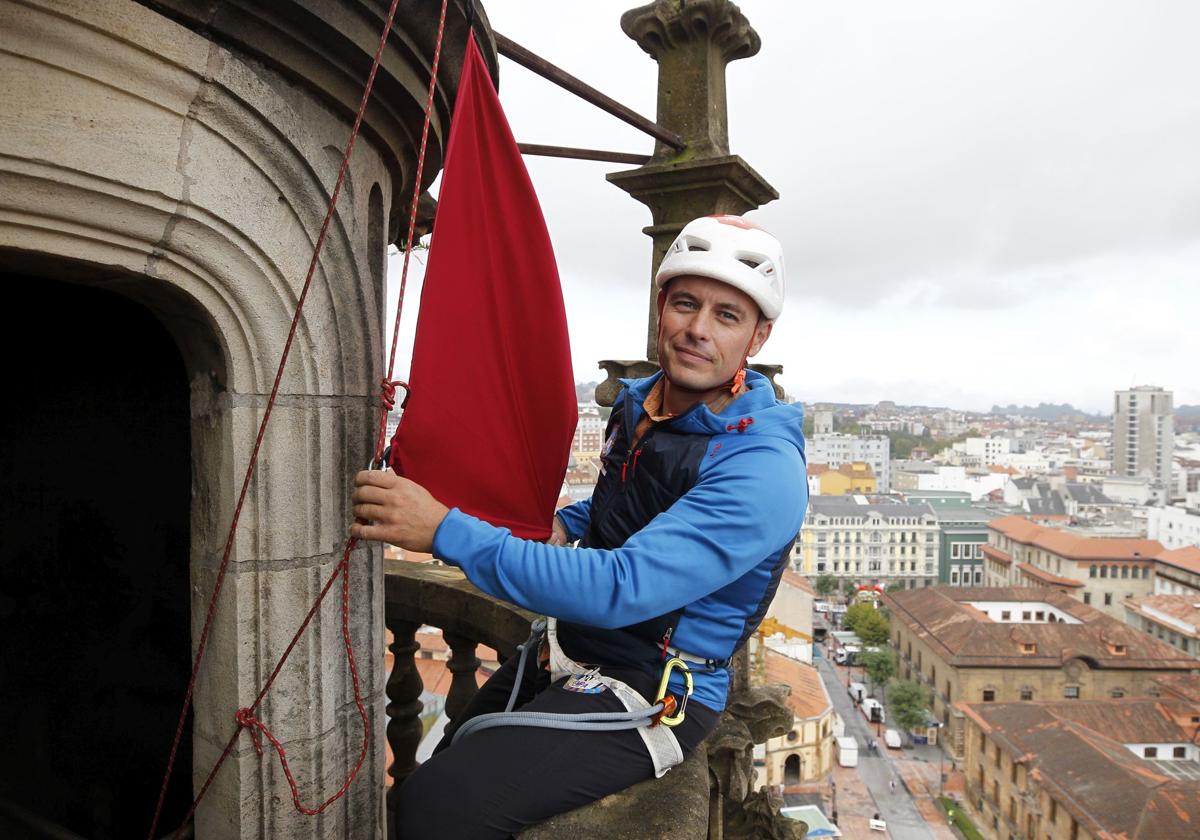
(879, 666)
(897, 586)
(826, 585)
(909, 703)
(873, 628)
(855, 614)
(848, 589)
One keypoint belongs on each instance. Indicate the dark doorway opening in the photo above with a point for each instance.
(95, 496)
(791, 770)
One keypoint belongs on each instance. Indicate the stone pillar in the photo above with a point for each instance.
(183, 154)
(692, 42)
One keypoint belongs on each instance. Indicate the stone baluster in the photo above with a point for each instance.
(463, 665)
(404, 703)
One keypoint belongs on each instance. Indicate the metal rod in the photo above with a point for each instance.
(530, 61)
(582, 154)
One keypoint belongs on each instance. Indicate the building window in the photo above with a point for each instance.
(1104, 571)
(1028, 647)
(989, 695)
(1040, 615)
(1179, 752)
(954, 578)
(1091, 571)
(1124, 571)
(1026, 615)
(1117, 693)
(1071, 692)
(1087, 597)
(1005, 615)
(1026, 693)
(1108, 599)
(1150, 752)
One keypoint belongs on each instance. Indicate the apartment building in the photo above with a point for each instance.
(1175, 619)
(997, 645)
(1099, 571)
(1144, 433)
(1083, 770)
(868, 542)
(836, 449)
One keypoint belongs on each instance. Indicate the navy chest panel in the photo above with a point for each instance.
(640, 482)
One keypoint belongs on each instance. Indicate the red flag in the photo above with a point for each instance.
(492, 412)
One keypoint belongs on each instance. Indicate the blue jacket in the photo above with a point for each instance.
(714, 555)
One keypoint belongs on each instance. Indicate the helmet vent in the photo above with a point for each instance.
(753, 263)
(695, 243)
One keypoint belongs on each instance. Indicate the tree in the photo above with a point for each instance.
(879, 666)
(909, 702)
(855, 614)
(826, 585)
(848, 589)
(874, 629)
(896, 586)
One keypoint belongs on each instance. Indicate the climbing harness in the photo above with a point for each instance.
(653, 721)
(245, 717)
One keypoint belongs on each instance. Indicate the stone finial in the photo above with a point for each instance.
(692, 43)
(673, 23)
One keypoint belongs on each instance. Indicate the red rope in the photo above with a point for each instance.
(245, 717)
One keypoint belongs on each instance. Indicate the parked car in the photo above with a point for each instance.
(892, 738)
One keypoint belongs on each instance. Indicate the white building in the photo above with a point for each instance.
(837, 449)
(1144, 433)
(869, 543)
(957, 480)
(1174, 527)
(989, 450)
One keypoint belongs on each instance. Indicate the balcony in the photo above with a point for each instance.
(712, 794)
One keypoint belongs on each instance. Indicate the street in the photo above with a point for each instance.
(878, 770)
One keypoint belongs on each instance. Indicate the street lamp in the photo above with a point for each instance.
(941, 760)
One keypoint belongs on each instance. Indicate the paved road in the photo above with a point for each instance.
(904, 821)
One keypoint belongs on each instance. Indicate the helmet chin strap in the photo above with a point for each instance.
(739, 378)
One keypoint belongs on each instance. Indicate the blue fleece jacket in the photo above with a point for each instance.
(715, 552)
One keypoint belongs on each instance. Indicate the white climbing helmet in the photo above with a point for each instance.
(732, 250)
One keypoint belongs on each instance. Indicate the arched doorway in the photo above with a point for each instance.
(95, 511)
(791, 770)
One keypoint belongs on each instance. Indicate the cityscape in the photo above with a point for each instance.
(1037, 573)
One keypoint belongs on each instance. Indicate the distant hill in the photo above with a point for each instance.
(1043, 411)
(1187, 411)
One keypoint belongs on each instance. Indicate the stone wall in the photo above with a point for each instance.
(186, 163)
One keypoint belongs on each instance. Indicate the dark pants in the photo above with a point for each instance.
(497, 781)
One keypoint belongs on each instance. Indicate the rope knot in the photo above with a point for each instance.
(245, 718)
(740, 425)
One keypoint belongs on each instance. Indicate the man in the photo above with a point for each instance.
(681, 546)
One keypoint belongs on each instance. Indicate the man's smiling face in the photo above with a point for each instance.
(706, 327)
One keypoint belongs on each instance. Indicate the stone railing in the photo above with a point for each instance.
(711, 794)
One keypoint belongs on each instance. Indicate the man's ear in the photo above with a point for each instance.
(762, 331)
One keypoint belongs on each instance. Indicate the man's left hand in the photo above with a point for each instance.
(399, 511)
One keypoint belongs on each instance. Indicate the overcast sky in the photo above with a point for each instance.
(979, 203)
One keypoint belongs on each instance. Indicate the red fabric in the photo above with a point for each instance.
(489, 424)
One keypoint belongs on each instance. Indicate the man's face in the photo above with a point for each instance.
(706, 326)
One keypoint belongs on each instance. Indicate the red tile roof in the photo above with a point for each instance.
(1046, 578)
(808, 698)
(964, 638)
(1073, 546)
(1187, 558)
(1076, 752)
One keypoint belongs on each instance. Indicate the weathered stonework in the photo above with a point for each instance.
(182, 154)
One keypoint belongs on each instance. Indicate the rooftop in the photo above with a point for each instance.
(1077, 752)
(808, 698)
(843, 506)
(1179, 611)
(1187, 558)
(1073, 546)
(964, 636)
